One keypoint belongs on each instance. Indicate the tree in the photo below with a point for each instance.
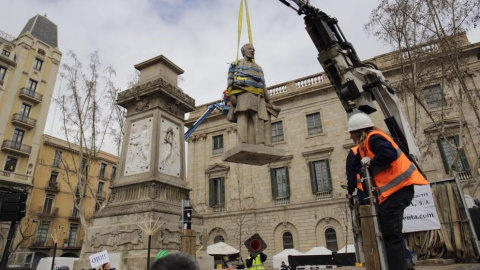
(85, 127)
(429, 37)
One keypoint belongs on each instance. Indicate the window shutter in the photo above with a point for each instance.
(442, 154)
(222, 191)
(463, 157)
(287, 179)
(212, 192)
(328, 181)
(274, 183)
(313, 180)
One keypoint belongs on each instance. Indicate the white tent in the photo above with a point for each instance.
(348, 249)
(221, 248)
(283, 256)
(319, 251)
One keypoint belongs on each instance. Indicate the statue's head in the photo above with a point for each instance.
(248, 51)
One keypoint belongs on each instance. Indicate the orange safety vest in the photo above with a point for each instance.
(393, 177)
(359, 178)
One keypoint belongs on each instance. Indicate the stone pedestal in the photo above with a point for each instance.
(152, 175)
(252, 154)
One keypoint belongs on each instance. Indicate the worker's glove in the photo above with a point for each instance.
(366, 161)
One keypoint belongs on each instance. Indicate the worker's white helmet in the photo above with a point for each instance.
(359, 121)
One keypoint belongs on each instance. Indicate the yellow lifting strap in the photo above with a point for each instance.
(240, 19)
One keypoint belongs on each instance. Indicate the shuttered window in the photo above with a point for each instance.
(217, 191)
(314, 123)
(448, 153)
(277, 131)
(320, 176)
(280, 182)
(434, 97)
(331, 239)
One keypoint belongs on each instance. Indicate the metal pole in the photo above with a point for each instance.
(54, 251)
(148, 250)
(6, 252)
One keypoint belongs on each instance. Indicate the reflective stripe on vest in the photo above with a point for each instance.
(359, 178)
(257, 263)
(400, 173)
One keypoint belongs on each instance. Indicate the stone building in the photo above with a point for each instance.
(51, 202)
(29, 65)
(298, 202)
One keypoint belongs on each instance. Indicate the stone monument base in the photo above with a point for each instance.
(253, 154)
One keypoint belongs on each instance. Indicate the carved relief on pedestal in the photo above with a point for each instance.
(117, 238)
(152, 191)
(139, 146)
(169, 148)
(170, 234)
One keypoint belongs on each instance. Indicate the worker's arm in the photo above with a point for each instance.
(384, 151)
(263, 257)
(352, 169)
(248, 262)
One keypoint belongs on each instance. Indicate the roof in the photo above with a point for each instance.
(43, 29)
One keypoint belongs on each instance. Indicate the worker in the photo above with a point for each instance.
(394, 177)
(249, 97)
(255, 261)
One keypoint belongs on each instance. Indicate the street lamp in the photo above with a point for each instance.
(150, 227)
(56, 234)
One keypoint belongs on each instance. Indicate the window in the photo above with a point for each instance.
(11, 164)
(320, 175)
(448, 152)
(217, 191)
(57, 158)
(314, 125)
(217, 144)
(6, 52)
(287, 240)
(47, 206)
(84, 166)
(114, 172)
(72, 235)
(100, 188)
(32, 85)
(331, 239)
(37, 64)
(103, 167)
(434, 97)
(53, 178)
(218, 239)
(75, 212)
(277, 131)
(280, 182)
(42, 231)
(17, 139)
(25, 110)
(3, 71)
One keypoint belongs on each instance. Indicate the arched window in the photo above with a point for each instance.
(287, 240)
(218, 238)
(331, 239)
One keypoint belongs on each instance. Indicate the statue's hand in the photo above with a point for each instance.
(233, 99)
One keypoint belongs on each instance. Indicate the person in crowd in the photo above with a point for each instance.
(255, 261)
(394, 176)
(284, 266)
(176, 261)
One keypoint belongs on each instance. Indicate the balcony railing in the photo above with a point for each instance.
(46, 213)
(48, 243)
(53, 186)
(15, 177)
(323, 195)
(218, 208)
(101, 195)
(31, 95)
(282, 201)
(23, 120)
(464, 176)
(74, 244)
(296, 84)
(16, 147)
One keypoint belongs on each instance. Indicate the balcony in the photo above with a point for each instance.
(101, 195)
(30, 95)
(24, 121)
(42, 244)
(282, 201)
(16, 147)
(15, 177)
(464, 176)
(72, 245)
(323, 195)
(53, 186)
(41, 212)
(218, 208)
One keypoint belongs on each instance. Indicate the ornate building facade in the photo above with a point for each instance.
(298, 202)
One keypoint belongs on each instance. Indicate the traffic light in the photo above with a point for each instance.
(186, 215)
(12, 206)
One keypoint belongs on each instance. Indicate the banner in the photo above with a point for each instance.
(99, 258)
(421, 215)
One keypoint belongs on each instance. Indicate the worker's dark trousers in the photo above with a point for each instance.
(391, 217)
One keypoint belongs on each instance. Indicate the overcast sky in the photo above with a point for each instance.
(200, 36)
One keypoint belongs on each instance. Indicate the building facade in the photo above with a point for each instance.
(29, 65)
(54, 190)
(298, 202)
